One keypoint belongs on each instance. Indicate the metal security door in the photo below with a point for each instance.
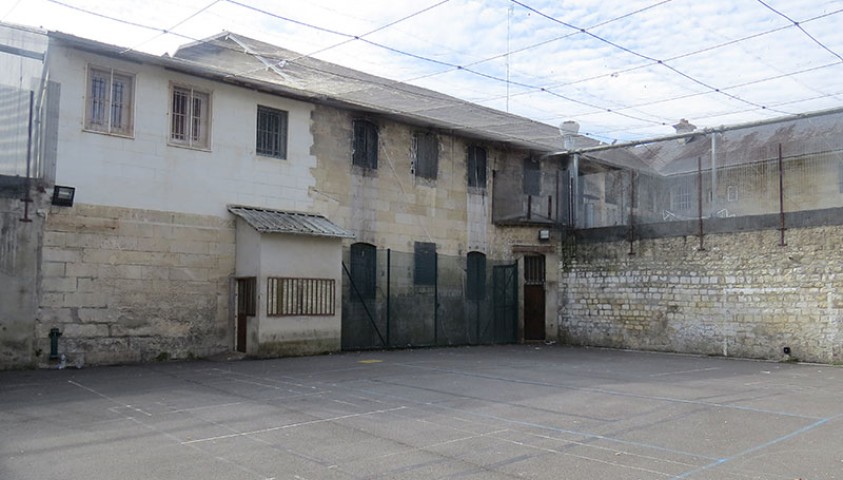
(505, 290)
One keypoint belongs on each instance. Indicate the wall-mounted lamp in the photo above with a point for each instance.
(544, 234)
(63, 196)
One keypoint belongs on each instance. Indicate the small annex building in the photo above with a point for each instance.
(288, 273)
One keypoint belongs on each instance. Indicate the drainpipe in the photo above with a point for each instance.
(575, 189)
(713, 174)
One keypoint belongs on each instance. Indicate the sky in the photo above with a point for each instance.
(622, 69)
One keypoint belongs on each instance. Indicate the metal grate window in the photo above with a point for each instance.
(247, 297)
(300, 297)
(426, 149)
(109, 102)
(476, 167)
(365, 144)
(190, 117)
(534, 270)
(271, 132)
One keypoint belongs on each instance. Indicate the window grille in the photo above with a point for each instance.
(300, 297)
(476, 167)
(190, 117)
(534, 270)
(365, 144)
(247, 296)
(271, 132)
(110, 98)
(426, 149)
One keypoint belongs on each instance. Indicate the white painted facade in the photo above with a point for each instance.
(145, 171)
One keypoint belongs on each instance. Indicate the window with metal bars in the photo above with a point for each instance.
(426, 153)
(271, 132)
(534, 270)
(190, 118)
(476, 167)
(109, 102)
(247, 296)
(300, 296)
(364, 152)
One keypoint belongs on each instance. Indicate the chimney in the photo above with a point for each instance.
(569, 129)
(684, 126)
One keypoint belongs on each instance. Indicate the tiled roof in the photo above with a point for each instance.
(275, 221)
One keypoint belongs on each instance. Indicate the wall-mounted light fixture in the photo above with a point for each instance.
(63, 196)
(544, 234)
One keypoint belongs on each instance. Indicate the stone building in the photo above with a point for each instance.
(236, 195)
(728, 242)
(239, 196)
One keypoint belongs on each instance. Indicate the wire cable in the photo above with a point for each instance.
(794, 22)
(641, 55)
(175, 26)
(357, 37)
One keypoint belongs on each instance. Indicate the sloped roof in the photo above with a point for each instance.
(816, 133)
(250, 58)
(265, 220)
(239, 60)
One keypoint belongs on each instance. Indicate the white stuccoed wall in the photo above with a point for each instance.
(147, 173)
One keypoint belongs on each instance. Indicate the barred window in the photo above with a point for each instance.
(426, 151)
(300, 296)
(476, 167)
(190, 117)
(271, 132)
(109, 102)
(365, 144)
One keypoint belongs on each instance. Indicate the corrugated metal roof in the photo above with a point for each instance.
(275, 221)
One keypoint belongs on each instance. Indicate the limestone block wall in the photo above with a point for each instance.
(389, 207)
(744, 295)
(128, 285)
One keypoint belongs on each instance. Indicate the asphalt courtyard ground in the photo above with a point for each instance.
(505, 412)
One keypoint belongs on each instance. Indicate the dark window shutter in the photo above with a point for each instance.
(424, 272)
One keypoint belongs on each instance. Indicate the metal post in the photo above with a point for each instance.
(575, 189)
(700, 202)
(714, 174)
(388, 293)
(631, 213)
(436, 298)
(782, 227)
(27, 199)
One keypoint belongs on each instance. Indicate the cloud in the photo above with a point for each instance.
(583, 77)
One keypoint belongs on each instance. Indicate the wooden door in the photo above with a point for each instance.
(534, 298)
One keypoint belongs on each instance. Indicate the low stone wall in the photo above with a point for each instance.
(744, 295)
(127, 285)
